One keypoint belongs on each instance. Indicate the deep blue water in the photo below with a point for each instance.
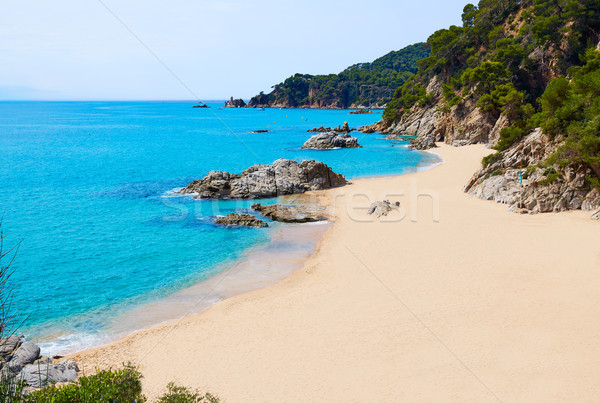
(86, 187)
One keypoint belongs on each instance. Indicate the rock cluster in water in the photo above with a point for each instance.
(329, 140)
(290, 214)
(242, 220)
(201, 106)
(360, 112)
(283, 177)
(21, 361)
(234, 103)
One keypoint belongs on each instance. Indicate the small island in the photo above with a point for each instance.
(329, 140)
(235, 103)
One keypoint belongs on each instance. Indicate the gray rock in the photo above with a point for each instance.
(243, 220)
(290, 214)
(283, 177)
(330, 140)
(26, 354)
(38, 376)
(499, 181)
(9, 344)
(382, 208)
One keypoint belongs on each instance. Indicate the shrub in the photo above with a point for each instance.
(180, 394)
(490, 159)
(123, 386)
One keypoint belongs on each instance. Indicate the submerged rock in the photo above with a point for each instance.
(283, 177)
(242, 220)
(382, 208)
(330, 140)
(289, 214)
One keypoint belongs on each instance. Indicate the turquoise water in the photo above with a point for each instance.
(88, 188)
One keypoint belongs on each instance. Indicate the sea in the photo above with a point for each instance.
(105, 244)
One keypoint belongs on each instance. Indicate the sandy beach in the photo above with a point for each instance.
(451, 298)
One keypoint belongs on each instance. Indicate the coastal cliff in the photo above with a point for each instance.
(522, 78)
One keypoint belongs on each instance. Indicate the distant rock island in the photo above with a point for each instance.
(329, 140)
(360, 112)
(234, 103)
(283, 177)
(201, 106)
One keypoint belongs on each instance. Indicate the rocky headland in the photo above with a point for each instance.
(290, 214)
(283, 177)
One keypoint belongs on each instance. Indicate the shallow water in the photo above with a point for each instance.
(88, 188)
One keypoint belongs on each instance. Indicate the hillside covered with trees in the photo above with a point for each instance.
(365, 84)
(512, 67)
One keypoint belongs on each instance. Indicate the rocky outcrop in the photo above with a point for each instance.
(320, 129)
(259, 131)
(234, 103)
(20, 361)
(283, 177)
(240, 220)
(382, 208)
(330, 140)
(548, 189)
(343, 128)
(360, 112)
(290, 214)
(201, 106)
(462, 124)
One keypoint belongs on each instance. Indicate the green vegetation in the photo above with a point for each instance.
(108, 386)
(363, 83)
(504, 59)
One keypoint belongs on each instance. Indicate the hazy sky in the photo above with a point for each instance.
(77, 49)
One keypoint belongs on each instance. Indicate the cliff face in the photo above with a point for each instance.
(461, 125)
(517, 180)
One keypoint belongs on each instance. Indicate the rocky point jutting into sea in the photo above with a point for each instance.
(283, 177)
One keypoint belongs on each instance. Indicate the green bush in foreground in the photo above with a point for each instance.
(110, 386)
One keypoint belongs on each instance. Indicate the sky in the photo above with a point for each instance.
(196, 49)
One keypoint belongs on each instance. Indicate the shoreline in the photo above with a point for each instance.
(335, 330)
(61, 342)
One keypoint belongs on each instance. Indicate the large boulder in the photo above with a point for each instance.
(283, 177)
(330, 140)
(290, 214)
(8, 345)
(26, 354)
(242, 220)
(38, 376)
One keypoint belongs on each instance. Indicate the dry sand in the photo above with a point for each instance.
(483, 305)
